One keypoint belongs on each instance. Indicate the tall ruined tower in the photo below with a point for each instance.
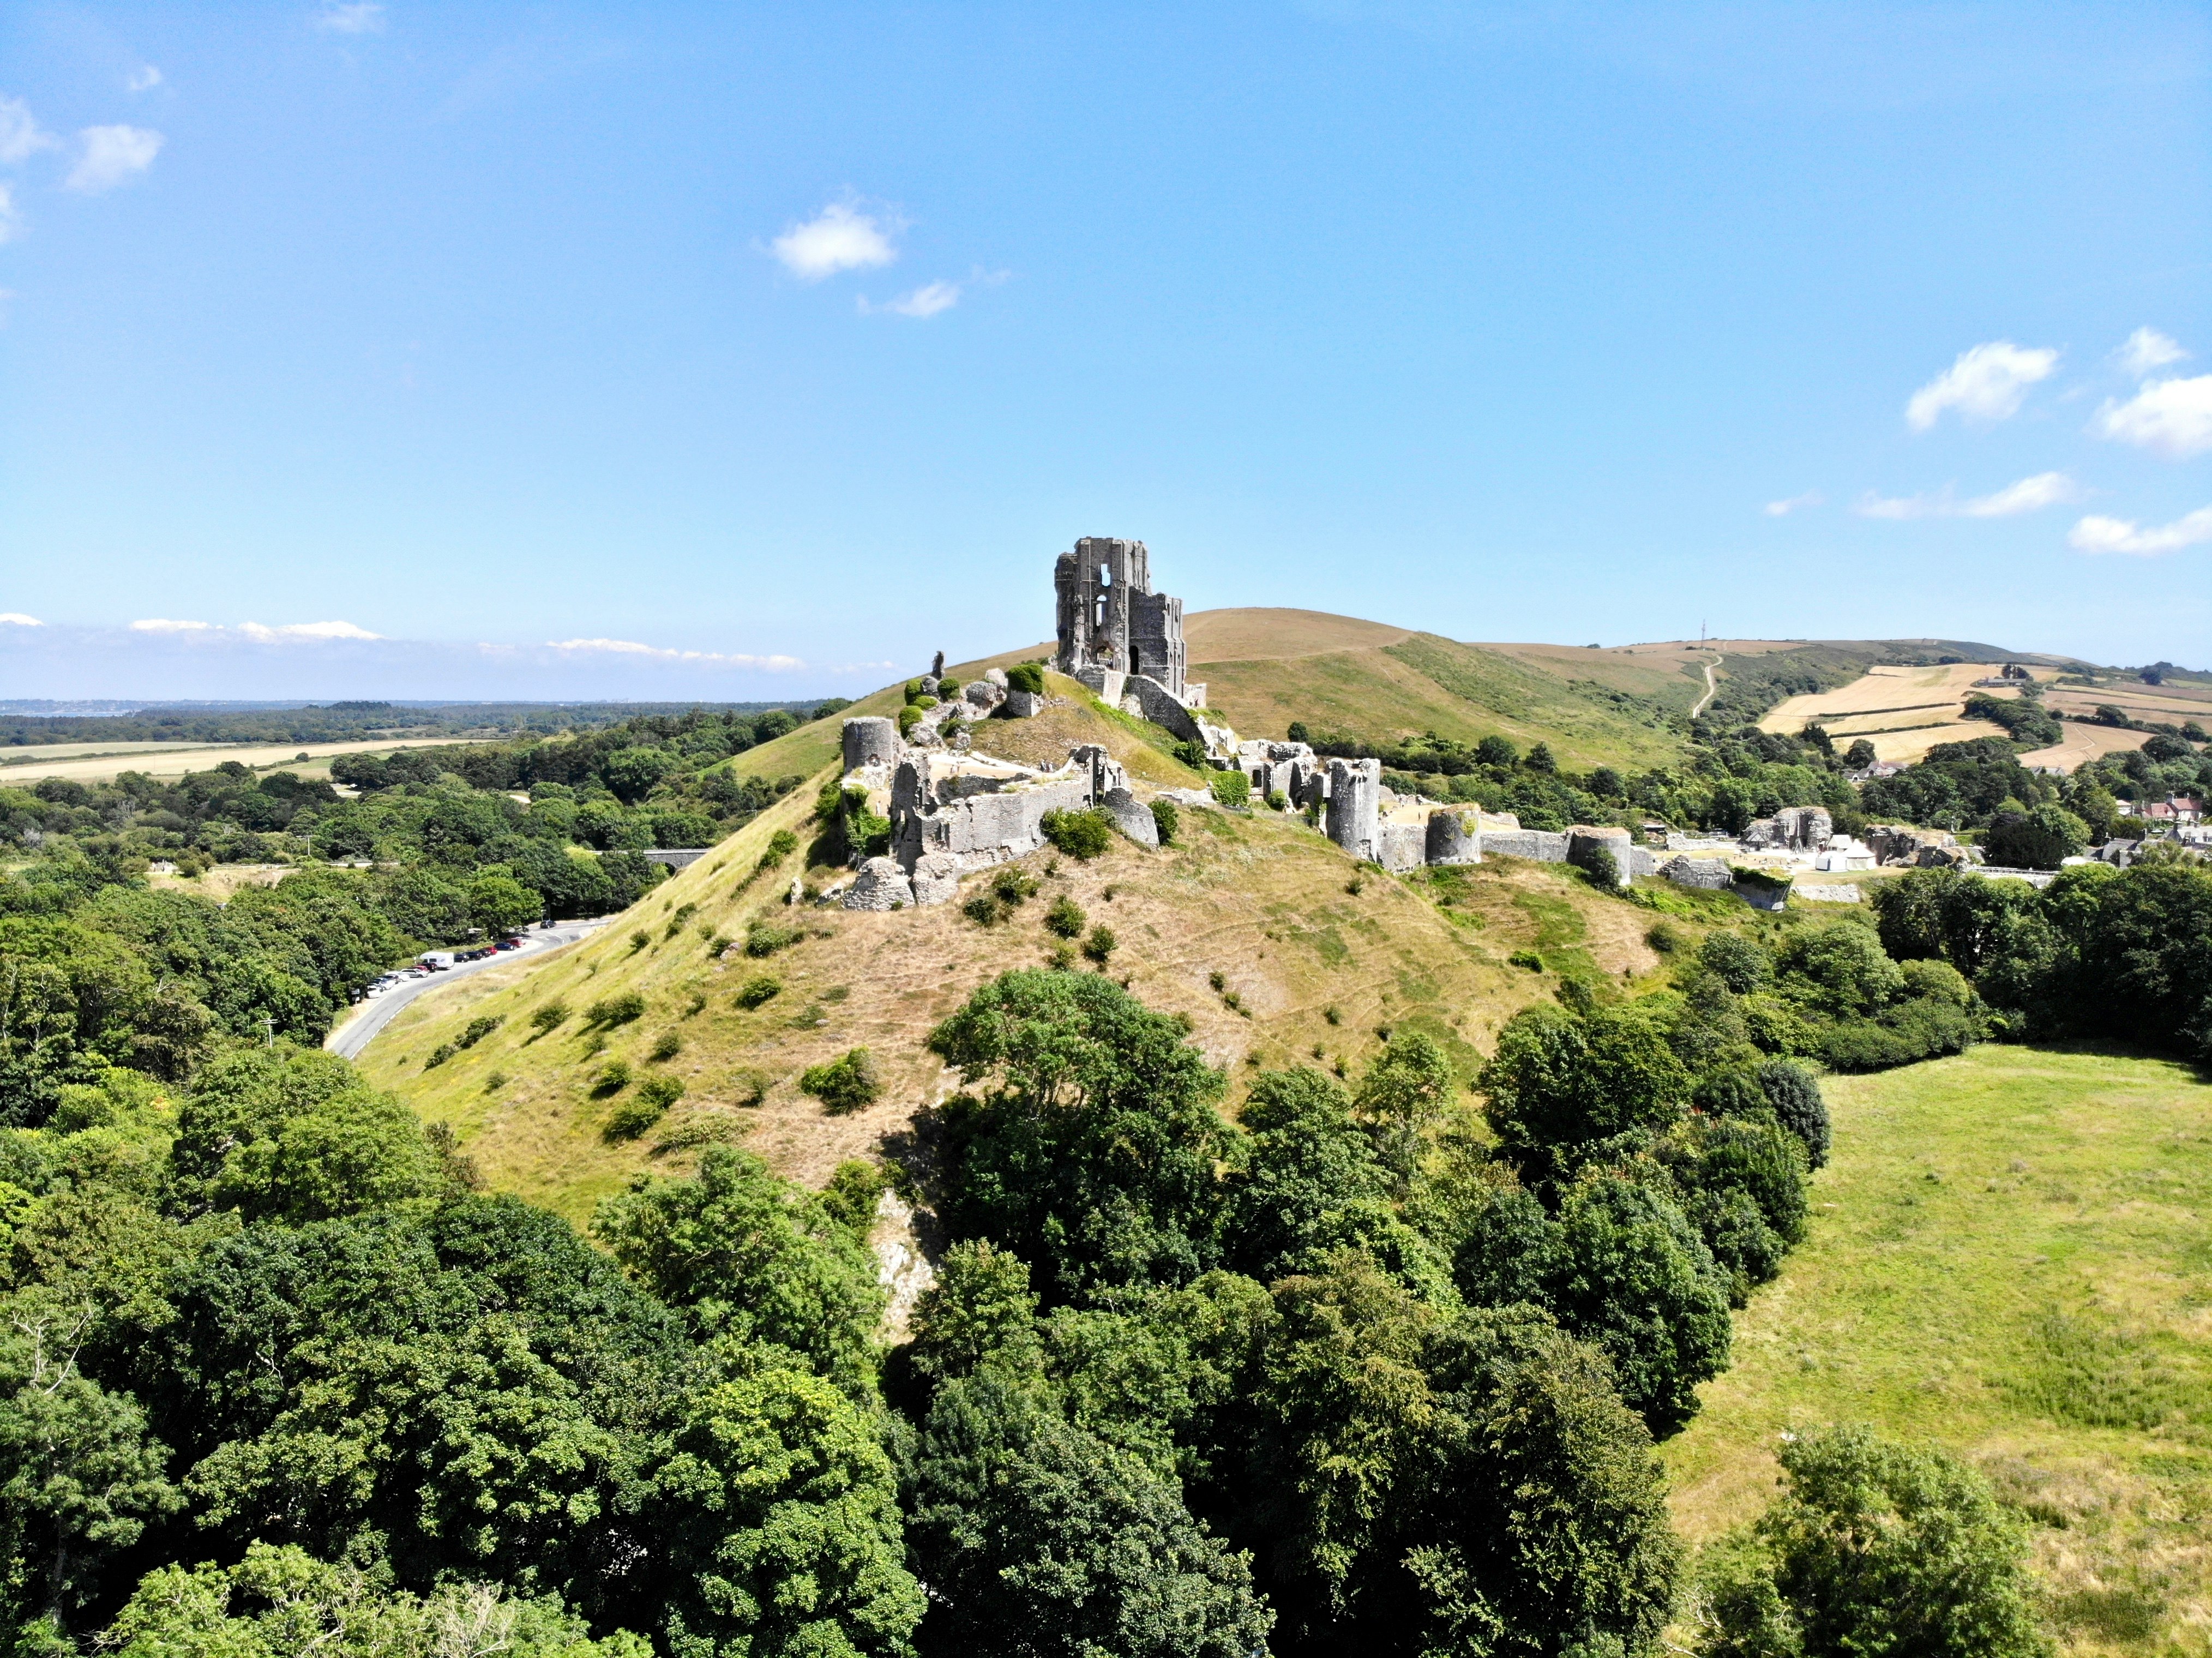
(1110, 618)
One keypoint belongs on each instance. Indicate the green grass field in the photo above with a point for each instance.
(2010, 1256)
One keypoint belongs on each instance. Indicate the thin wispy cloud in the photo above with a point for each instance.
(352, 17)
(2171, 417)
(633, 647)
(2146, 350)
(143, 79)
(2030, 494)
(303, 632)
(2120, 535)
(1987, 383)
(21, 136)
(839, 238)
(17, 619)
(927, 300)
(1795, 504)
(11, 221)
(113, 154)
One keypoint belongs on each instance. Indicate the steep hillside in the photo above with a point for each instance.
(2011, 1255)
(1361, 680)
(1264, 903)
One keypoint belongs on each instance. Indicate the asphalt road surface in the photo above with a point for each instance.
(369, 1018)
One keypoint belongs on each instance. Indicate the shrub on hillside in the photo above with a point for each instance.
(1738, 962)
(547, 1019)
(1026, 677)
(766, 938)
(1100, 944)
(621, 1009)
(849, 1083)
(1064, 919)
(1232, 788)
(1080, 835)
(1165, 820)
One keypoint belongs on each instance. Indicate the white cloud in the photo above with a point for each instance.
(156, 624)
(2120, 535)
(1985, 383)
(143, 79)
(11, 223)
(924, 301)
(307, 630)
(352, 17)
(2171, 417)
(632, 647)
(840, 238)
(112, 155)
(2029, 494)
(2146, 350)
(21, 137)
(1794, 503)
(17, 619)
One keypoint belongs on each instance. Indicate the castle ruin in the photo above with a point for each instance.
(1111, 618)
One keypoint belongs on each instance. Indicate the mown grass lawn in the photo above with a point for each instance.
(2010, 1255)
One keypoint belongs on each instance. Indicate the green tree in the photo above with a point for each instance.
(1310, 1183)
(296, 1134)
(1877, 1549)
(282, 1602)
(634, 773)
(1840, 969)
(79, 1475)
(1092, 1148)
(1739, 963)
(779, 1510)
(1558, 1082)
(752, 1256)
(2042, 837)
(499, 905)
(1039, 1538)
(1404, 1097)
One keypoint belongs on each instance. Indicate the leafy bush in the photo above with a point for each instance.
(2042, 838)
(781, 845)
(1064, 919)
(668, 1046)
(908, 718)
(1875, 1547)
(984, 909)
(1081, 835)
(1010, 886)
(764, 938)
(1663, 938)
(620, 1009)
(1232, 788)
(760, 989)
(948, 688)
(1739, 963)
(661, 1092)
(849, 1083)
(1166, 820)
(479, 1028)
(550, 1017)
(1527, 958)
(1795, 1095)
(613, 1078)
(1601, 869)
(1100, 944)
(439, 1055)
(1026, 677)
(631, 1118)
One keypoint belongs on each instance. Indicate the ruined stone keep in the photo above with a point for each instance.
(1109, 616)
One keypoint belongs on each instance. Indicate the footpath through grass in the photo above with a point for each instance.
(2010, 1256)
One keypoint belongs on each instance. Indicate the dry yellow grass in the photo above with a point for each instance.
(223, 880)
(1238, 635)
(175, 759)
(2082, 744)
(1259, 900)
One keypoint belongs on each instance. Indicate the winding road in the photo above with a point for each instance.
(348, 1040)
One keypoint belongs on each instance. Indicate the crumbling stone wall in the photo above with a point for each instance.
(870, 740)
(1355, 791)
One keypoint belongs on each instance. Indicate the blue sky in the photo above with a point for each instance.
(751, 351)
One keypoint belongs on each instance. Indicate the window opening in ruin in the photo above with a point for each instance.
(1136, 660)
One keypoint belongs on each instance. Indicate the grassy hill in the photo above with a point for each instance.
(2011, 1254)
(1265, 903)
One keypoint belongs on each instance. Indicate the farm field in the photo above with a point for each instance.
(2083, 744)
(175, 759)
(2010, 1255)
(1904, 712)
